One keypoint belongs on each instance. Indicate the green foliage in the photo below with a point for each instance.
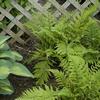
(44, 94)
(40, 94)
(69, 50)
(43, 69)
(7, 3)
(9, 65)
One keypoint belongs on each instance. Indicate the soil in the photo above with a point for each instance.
(20, 84)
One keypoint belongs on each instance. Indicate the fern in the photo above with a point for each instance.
(43, 69)
(39, 94)
(48, 93)
(61, 48)
(43, 34)
(60, 77)
(68, 49)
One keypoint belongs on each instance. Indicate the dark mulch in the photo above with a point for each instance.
(20, 84)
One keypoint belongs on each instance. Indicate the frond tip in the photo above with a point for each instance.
(39, 94)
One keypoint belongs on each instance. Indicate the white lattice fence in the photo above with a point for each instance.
(15, 27)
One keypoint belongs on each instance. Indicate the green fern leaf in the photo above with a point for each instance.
(61, 48)
(60, 77)
(41, 72)
(39, 94)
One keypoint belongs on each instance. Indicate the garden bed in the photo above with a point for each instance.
(65, 61)
(20, 84)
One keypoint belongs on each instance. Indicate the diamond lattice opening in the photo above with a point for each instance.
(71, 8)
(97, 16)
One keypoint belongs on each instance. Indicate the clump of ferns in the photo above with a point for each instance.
(68, 49)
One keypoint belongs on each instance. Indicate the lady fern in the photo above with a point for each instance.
(68, 49)
(40, 94)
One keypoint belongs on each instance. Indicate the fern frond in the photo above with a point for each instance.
(46, 93)
(60, 77)
(76, 49)
(64, 63)
(39, 94)
(36, 55)
(47, 38)
(81, 22)
(61, 48)
(70, 45)
(40, 21)
(40, 54)
(92, 59)
(41, 24)
(42, 72)
(78, 71)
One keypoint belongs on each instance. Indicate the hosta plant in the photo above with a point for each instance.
(69, 51)
(9, 64)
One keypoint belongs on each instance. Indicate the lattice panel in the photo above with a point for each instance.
(14, 21)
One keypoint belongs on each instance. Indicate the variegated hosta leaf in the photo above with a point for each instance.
(4, 47)
(3, 39)
(5, 87)
(4, 68)
(7, 67)
(21, 70)
(11, 55)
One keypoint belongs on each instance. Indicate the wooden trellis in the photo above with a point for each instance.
(15, 22)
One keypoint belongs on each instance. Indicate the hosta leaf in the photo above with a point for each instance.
(3, 39)
(4, 68)
(18, 57)
(11, 54)
(4, 47)
(21, 70)
(7, 67)
(5, 87)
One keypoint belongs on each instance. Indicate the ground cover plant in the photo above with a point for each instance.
(9, 64)
(68, 50)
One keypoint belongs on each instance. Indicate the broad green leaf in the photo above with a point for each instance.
(3, 39)
(4, 68)
(11, 54)
(18, 57)
(21, 70)
(4, 47)
(8, 65)
(5, 87)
